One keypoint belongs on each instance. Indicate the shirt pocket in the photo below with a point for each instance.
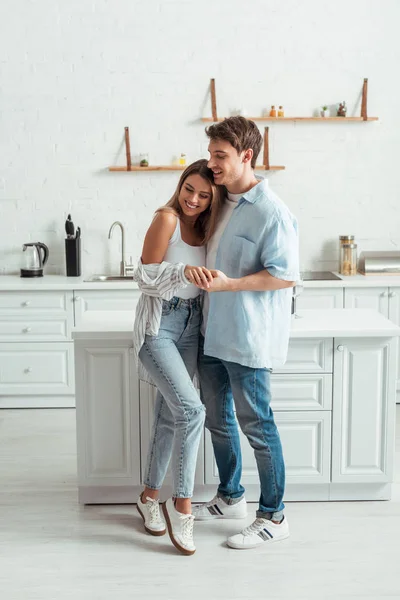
(242, 256)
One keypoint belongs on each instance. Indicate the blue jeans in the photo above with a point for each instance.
(171, 360)
(221, 382)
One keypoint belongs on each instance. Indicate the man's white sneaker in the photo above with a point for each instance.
(151, 515)
(218, 509)
(259, 532)
(180, 528)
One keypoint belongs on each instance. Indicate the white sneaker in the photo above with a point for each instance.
(150, 513)
(218, 509)
(262, 530)
(180, 528)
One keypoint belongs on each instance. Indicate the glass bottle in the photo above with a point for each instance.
(182, 160)
(144, 160)
(281, 112)
(348, 259)
(272, 112)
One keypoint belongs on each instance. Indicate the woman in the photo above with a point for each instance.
(166, 331)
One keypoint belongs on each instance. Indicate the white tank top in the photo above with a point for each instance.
(180, 252)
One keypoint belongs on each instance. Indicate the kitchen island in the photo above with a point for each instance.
(334, 403)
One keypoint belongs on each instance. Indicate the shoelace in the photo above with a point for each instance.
(254, 527)
(154, 510)
(187, 527)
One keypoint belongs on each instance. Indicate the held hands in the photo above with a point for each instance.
(208, 280)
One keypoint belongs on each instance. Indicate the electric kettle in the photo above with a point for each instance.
(35, 257)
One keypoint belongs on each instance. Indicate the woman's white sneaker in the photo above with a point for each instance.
(151, 515)
(258, 533)
(180, 528)
(218, 509)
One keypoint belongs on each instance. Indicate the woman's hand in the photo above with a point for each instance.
(200, 276)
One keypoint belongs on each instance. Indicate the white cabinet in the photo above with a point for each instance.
(318, 298)
(36, 349)
(147, 403)
(363, 412)
(376, 298)
(108, 430)
(383, 299)
(103, 300)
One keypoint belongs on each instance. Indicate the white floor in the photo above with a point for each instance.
(51, 548)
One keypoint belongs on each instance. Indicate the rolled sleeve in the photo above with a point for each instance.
(280, 253)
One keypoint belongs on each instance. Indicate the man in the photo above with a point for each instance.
(253, 256)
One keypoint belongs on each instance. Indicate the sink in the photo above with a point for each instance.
(318, 276)
(102, 278)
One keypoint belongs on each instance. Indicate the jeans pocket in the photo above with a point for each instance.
(167, 308)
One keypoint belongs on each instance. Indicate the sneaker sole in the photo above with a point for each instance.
(150, 531)
(184, 551)
(213, 518)
(251, 546)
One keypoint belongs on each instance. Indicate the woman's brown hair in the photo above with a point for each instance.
(208, 219)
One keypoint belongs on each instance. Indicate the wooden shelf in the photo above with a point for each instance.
(259, 167)
(179, 168)
(150, 168)
(343, 119)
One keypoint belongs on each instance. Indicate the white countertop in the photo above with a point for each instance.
(14, 283)
(335, 322)
(61, 282)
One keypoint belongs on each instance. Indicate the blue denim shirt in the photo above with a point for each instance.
(252, 328)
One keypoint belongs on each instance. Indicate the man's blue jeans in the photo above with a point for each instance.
(226, 386)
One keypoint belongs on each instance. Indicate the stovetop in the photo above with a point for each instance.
(319, 276)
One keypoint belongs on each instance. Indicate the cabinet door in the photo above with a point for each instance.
(375, 298)
(318, 298)
(363, 410)
(103, 300)
(394, 315)
(107, 410)
(147, 403)
(306, 442)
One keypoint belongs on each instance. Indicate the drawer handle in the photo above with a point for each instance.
(27, 329)
(392, 294)
(27, 303)
(340, 348)
(28, 370)
(77, 298)
(384, 294)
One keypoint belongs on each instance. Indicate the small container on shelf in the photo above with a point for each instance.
(281, 112)
(272, 112)
(182, 160)
(348, 259)
(144, 160)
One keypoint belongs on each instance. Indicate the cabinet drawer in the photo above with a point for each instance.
(33, 328)
(306, 443)
(317, 298)
(104, 300)
(301, 392)
(26, 302)
(308, 355)
(39, 368)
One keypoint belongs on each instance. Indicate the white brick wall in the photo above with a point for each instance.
(73, 74)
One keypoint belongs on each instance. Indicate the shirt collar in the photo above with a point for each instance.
(256, 191)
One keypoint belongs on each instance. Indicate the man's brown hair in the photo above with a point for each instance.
(241, 133)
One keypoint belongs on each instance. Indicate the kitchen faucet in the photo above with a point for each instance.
(125, 270)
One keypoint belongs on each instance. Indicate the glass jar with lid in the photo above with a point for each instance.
(348, 259)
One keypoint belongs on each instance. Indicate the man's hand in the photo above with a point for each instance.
(200, 276)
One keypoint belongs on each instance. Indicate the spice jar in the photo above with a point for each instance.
(348, 259)
(281, 112)
(272, 112)
(182, 160)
